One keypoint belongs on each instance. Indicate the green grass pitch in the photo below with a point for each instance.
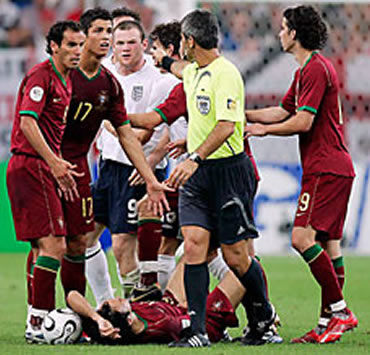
(292, 290)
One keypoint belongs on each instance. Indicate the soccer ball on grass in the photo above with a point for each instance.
(62, 326)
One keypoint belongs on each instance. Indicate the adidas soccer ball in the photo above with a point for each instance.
(62, 326)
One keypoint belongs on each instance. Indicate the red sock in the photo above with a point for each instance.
(323, 271)
(29, 271)
(149, 235)
(72, 274)
(43, 286)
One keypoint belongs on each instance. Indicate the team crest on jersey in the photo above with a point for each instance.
(36, 93)
(203, 104)
(137, 92)
(102, 99)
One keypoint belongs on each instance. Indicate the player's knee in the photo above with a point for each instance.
(298, 241)
(77, 245)
(195, 252)
(53, 247)
(236, 259)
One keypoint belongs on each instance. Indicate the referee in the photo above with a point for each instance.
(217, 182)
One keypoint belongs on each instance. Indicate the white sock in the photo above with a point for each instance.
(97, 274)
(129, 280)
(166, 266)
(218, 267)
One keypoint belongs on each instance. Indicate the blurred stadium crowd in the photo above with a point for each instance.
(249, 31)
(249, 39)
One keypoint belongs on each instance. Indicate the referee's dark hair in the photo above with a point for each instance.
(56, 33)
(202, 25)
(311, 30)
(89, 16)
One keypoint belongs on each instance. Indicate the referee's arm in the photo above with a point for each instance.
(222, 131)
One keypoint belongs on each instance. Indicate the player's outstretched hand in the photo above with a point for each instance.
(182, 173)
(106, 329)
(176, 148)
(136, 179)
(157, 198)
(64, 173)
(256, 129)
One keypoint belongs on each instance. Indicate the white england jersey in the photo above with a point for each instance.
(143, 90)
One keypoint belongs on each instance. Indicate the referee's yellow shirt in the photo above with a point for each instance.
(214, 93)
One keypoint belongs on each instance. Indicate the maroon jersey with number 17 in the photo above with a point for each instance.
(93, 100)
(315, 88)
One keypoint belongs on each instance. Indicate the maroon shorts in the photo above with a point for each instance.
(78, 214)
(36, 207)
(323, 204)
(220, 314)
(170, 225)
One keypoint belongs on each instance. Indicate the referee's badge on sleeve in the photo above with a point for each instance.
(203, 104)
(231, 104)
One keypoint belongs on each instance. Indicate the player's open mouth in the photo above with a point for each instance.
(104, 45)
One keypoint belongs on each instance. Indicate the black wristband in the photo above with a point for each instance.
(167, 62)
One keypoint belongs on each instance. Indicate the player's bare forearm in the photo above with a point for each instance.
(299, 123)
(143, 135)
(134, 151)
(34, 136)
(266, 115)
(147, 120)
(80, 305)
(160, 150)
(62, 170)
(222, 131)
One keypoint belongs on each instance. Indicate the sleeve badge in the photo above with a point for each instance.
(36, 93)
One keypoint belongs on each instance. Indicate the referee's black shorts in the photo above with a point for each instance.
(219, 198)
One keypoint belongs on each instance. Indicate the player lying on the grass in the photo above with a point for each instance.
(118, 321)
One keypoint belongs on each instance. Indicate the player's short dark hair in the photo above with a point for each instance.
(125, 11)
(311, 30)
(56, 33)
(128, 25)
(202, 25)
(168, 33)
(89, 16)
(118, 320)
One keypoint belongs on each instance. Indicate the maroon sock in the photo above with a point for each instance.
(72, 274)
(43, 286)
(264, 276)
(340, 274)
(323, 271)
(29, 270)
(339, 270)
(149, 235)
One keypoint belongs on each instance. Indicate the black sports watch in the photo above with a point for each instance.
(195, 157)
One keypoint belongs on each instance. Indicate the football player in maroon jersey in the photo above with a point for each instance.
(312, 109)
